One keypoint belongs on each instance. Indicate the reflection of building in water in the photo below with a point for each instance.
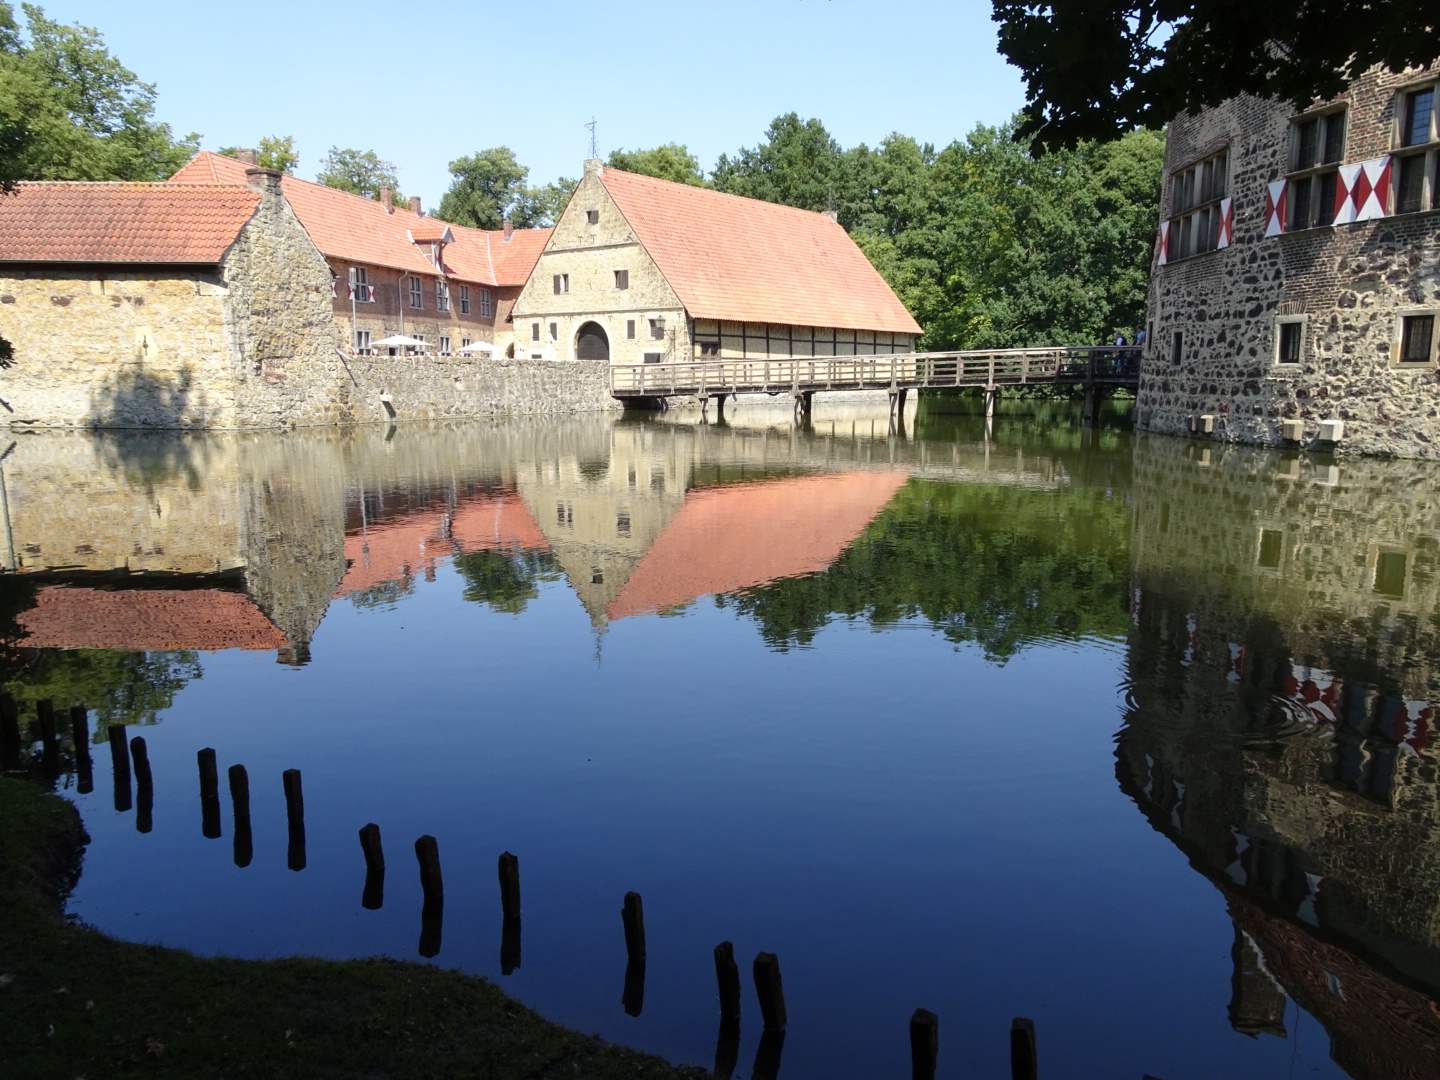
(1280, 730)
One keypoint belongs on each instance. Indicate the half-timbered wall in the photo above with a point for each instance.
(737, 340)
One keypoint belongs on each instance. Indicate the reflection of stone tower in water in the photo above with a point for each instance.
(292, 495)
(602, 493)
(1281, 728)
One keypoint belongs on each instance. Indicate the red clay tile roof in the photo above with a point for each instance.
(207, 619)
(750, 261)
(79, 222)
(724, 539)
(356, 229)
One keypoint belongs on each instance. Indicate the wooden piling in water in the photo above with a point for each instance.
(632, 998)
(510, 945)
(120, 764)
(80, 736)
(49, 739)
(144, 786)
(209, 794)
(1022, 1049)
(924, 1044)
(427, 852)
(727, 975)
(9, 732)
(372, 898)
(770, 991)
(767, 1055)
(633, 916)
(295, 819)
(727, 1049)
(240, 805)
(510, 885)
(432, 918)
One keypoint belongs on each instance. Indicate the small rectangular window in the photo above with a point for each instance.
(710, 349)
(464, 342)
(652, 358)
(630, 329)
(442, 295)
(362, 342)
(1410, 187)
(535, 331)
(657, 329)
(592, 217)
(622, 279)
(554, 331)
(444, 344)
(417, 294)
(1390, 573)
(485, 303)
(1272, 544)
(464, 299)
(1176, 344)
(1291, 334)
(1418, 109)
(562, 283)
(1417, 339)
(360, 284)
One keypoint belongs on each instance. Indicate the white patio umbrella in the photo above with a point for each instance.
(399, 341)
(476, 346)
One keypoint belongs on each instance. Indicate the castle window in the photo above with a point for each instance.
(1415, 162)
(1317, 147)
(554, 331)
(1198, 208)
(710, 349)
(1177, 342)
(562, 283)
(1417, 339)
(535, 331)
(417, 295)
(657, 328)
(442, 295)
(592, 217)
(464, 299)
(1288, 340)
(622, 279)
(360, 285)
(630, 329)
(444, 344)
(362, 342)
(485, 303)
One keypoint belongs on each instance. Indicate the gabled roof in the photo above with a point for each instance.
(356, 229)
(208, 619)
(81, 222)
(745, 260)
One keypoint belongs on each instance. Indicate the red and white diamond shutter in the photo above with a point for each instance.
(1275, 208)
(1162, 247)
(1362, 191)
(1227, 223)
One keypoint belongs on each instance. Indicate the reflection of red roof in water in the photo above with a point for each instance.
(396, 548)
(731, 538)
(205, 619)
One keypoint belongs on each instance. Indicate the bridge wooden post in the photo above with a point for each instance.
(991, 393)
(804, 403)
(897, 399)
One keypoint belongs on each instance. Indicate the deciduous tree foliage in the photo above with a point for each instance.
(360, 172)
(489, 186)
(672, 161)
(1094, 70)
(274, 152)
(71, 111)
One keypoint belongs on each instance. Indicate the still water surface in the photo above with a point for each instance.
(1126, 735)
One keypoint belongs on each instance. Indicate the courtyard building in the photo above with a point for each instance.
(1296, 286)
(641, 270)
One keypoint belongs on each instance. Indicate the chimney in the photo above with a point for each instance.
(415, 206)
(247, 157)
(264, 181)
(387, 198)
(594, 167)
(833, 215)
(509, 229)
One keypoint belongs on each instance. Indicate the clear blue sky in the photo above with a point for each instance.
(422, 84)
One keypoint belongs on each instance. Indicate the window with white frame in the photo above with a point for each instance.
(1196, 194)
(1317, 149)
(1289, 339)
(562, 283)
(464, 299)
(444, 344)
(442, 295)
(1417, 338)
(485, 303)
(360, 284)
(417, 293)
(1414, 167)
(464, 343)
(362, 342)
(657, 329)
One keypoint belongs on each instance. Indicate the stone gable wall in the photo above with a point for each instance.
(590, 255)
(1348, 282)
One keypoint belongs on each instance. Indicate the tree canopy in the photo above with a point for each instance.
(672, 161)
(1096, 70)
(489, 186)
(274, 152)
(360, 172)
(69, 110)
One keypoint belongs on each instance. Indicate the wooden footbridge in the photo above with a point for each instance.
(1097, 368)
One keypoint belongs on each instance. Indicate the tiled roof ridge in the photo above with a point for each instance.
(710, 191)
(157, 185)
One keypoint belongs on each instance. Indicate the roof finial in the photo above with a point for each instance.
(594, 146)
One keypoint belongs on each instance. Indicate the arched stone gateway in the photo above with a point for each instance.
(591, 343)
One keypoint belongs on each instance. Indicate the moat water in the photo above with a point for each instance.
(1130, 736)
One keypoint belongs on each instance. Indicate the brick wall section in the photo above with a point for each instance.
(390, 312)
(1349, 282)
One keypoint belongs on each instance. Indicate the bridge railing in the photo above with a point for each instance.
(1001, 367)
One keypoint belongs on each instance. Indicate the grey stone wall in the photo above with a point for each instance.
(1349, 284)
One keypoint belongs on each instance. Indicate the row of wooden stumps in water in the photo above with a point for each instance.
(765, 970)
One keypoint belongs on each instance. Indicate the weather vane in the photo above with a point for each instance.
(594, 147)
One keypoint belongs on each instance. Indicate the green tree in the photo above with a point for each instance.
(1097, 70)
(539, 207)
(360, 172)
(275, 152)
(69, 110)
(672, 161)
(487, 186)
(800, 164)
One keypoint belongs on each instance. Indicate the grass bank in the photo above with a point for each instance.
(76, 1003)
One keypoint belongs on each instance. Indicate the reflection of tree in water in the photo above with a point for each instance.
(117, 687)
(506, 581)
(997, 566)
(382, 595)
